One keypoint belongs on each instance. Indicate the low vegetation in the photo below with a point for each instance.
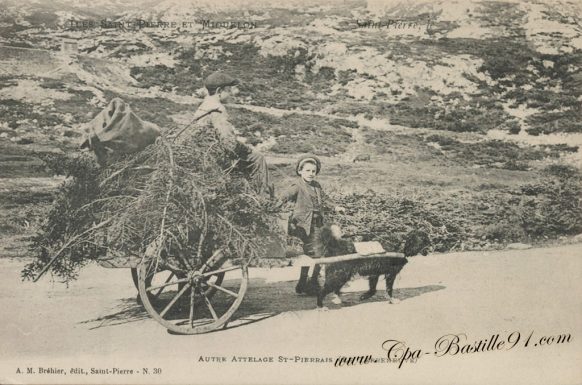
(532, 212)
(295, 133)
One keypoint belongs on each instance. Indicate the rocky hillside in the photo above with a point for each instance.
(440, 94)
(457, 66)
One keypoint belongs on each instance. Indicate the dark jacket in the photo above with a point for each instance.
(299, 193)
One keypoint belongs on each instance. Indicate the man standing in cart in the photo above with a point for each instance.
(211, 113)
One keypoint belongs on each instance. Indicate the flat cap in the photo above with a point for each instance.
(219, 79)
(308, 159)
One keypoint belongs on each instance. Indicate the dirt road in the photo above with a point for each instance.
(96, 324)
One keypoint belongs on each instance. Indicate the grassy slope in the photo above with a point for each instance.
(467, 182)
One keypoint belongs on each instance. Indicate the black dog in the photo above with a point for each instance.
(338, 274)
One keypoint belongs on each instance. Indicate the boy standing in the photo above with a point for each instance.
(307, 218)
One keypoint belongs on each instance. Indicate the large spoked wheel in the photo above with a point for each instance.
(170, 276)
(201, 301)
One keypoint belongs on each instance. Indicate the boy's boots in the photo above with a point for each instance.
(311, 286)
(302, 284)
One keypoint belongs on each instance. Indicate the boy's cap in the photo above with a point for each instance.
(308, 158)
(219, 79)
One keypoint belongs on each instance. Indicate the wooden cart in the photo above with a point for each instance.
(198, 299)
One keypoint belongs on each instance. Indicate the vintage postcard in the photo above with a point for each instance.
(290, 192)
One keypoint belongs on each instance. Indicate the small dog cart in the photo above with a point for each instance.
(188, 299)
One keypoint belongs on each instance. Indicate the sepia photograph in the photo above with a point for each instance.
(290, 192)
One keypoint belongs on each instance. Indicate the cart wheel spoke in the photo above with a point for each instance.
(156, 295)
(231, 293)
(176, 282)
(210, 307)
(173, 301)
(192, 305)
(215, 272)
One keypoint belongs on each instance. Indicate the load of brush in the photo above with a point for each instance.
(182, 200)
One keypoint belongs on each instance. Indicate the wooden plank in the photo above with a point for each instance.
(351, 257)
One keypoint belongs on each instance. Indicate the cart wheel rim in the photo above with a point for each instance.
(171, 315)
